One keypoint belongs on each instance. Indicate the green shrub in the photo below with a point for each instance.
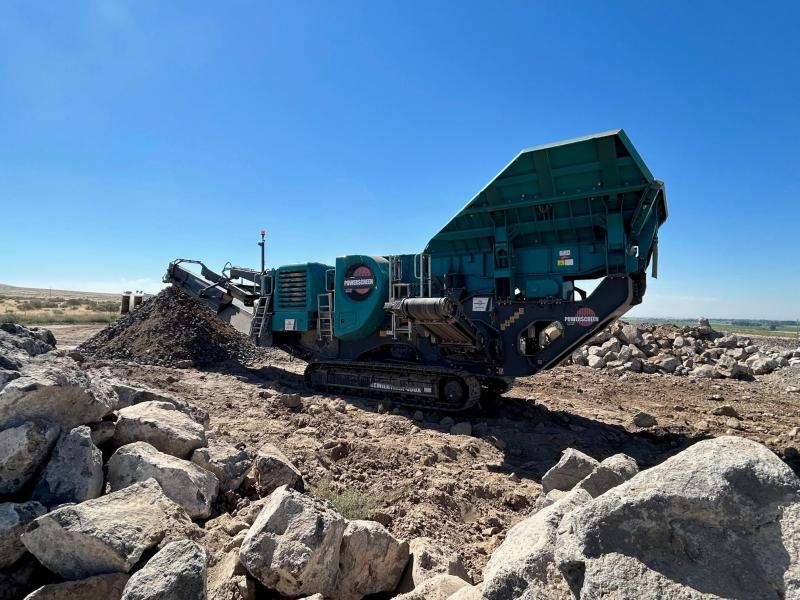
(351, 503)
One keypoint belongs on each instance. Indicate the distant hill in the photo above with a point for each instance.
(22, 293)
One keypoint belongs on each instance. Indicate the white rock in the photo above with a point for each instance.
(666, 362)
(440, 587)
(721, 518)
(573, 466)
(272, 469)
(176, 572)
(596, 362)
(74, 472)
(129, 395)
(99, 587)
(226, 461)
(161, 425)
(371, 560)
(427, 559)
(22, 449)
(704, 372)
(14, 519)
(104, 535)
(183, 482)
(293, 547)
(522, 567)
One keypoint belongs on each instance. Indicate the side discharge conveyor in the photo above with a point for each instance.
(495, 294)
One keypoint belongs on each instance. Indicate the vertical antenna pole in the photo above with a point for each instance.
(263, 264)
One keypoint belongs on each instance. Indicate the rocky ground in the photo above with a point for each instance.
(463, 481)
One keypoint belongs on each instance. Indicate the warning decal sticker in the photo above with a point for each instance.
(565, 258)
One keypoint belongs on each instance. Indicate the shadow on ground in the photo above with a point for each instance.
(531, 437)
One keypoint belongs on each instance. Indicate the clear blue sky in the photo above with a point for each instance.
(132, 133)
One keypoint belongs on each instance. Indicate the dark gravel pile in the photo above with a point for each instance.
(168, 330)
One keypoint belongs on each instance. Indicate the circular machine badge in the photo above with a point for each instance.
(584, 317)
(359, 281)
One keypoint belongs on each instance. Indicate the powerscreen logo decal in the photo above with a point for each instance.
(358, 282)
(585, 317)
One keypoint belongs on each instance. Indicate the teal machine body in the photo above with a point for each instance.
(495, 294)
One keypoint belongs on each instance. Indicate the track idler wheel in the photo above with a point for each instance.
(454, 391)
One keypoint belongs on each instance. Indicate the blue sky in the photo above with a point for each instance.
(136, 132)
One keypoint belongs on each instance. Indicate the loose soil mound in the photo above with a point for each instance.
(170, 328)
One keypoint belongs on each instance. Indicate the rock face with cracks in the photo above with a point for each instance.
(161, 425)
(721, 518)
(293, 546)
(523, 566)
(99, 587)
(74, 472)
(105, 535)
(14, 519)
(176, 572)
(272, 469)
(229, 463)
(57, 391)
(22, 449)
(183, 482)
(371, 560)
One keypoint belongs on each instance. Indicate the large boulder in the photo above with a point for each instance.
(229, 463)
(22, 342)
(440, 587)
(272, 469)
(161, 425)
(371, 560)
(129, 395)
(631, 334)
(54, 390)
(176, 572)
(427, 559)
(573, 466)
(761, 364)
(192, 487)
(99, 587)
(721, 518)
(74, 472)
(105, 535)
(14, 519)
(22, 449)
(523, 566)
(294, 545)
(666, 362)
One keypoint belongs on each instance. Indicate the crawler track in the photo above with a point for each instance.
(430, 388)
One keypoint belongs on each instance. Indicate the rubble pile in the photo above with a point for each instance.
(112, 489)
(698, 351)
(171, 329)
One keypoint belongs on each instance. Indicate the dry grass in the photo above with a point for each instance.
(350, 503)
(31, 306)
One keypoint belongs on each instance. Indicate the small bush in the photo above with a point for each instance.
(74, 302)
(351, 503)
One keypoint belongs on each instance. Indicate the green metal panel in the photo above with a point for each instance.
(591, 196)
(359, 309)
(295, 299)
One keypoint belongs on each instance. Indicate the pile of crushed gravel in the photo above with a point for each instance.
(169, 330)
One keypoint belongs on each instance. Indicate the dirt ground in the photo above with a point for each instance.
(468, 490)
